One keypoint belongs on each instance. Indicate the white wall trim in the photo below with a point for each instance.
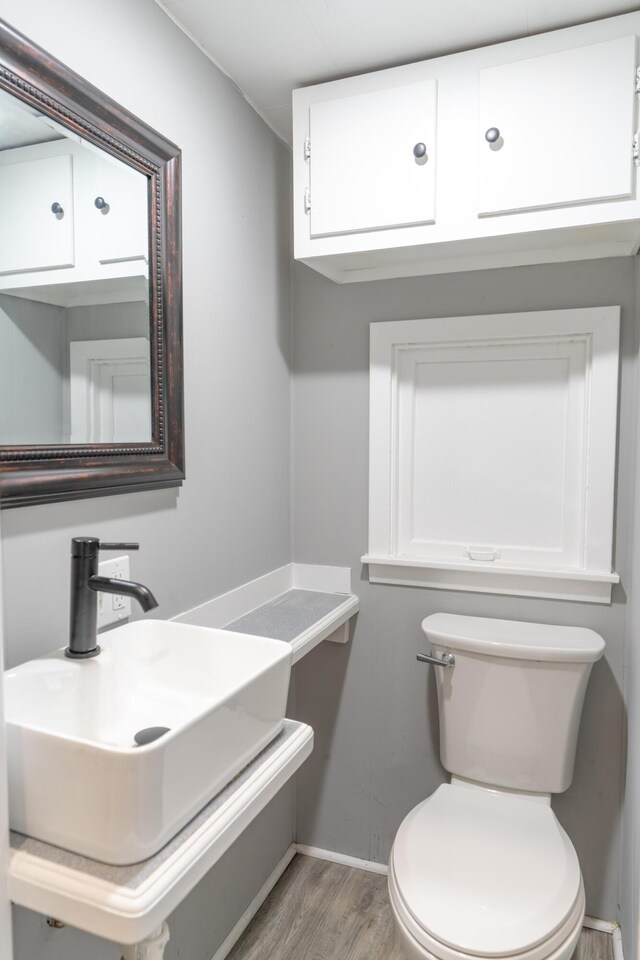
(612, 928)
(492, 577)
(618, 953)
(232, 938)
(426, 531)
(604, 926)
(368, 865)
(314, 576)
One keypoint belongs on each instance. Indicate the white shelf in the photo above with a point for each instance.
(125, 904)
(300, 604)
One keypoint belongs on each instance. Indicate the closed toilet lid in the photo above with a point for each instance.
(485, 873)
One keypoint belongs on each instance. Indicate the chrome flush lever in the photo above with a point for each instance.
(448, 660)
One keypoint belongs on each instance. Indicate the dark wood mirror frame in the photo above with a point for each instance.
(42, 474)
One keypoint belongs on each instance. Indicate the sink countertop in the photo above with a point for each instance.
(125, 904)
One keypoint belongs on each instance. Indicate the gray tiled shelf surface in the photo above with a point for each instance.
(289, 615)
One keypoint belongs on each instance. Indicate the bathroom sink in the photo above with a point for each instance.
(109, 757)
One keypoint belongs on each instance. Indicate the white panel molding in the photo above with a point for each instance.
(492, 453)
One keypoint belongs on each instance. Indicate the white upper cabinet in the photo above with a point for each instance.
(373, 160)
(70, 215)
(536, 159)
(557, 129)
(36, 201)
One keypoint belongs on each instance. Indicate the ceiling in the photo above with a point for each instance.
(269, 47)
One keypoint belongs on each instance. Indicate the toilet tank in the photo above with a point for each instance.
(510, 706)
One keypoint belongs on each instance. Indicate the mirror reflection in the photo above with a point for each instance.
(74, 314)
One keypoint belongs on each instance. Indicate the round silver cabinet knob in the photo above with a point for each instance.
(492, 135)
(56, 208)
(100, 203)
(420, 151)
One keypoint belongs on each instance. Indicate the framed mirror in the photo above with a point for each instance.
(90, 289)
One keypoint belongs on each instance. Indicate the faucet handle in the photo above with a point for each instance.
(87, 547)
(119, 546)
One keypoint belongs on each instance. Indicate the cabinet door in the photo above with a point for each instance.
(111, 202)
(566, 124)
(32, 236)
(363, 172)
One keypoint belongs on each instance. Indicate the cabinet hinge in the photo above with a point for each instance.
(636, 149)
(307, 201)
(638, 81)
(307, 147)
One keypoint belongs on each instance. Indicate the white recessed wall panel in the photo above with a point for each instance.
(566, 121)
(493, 450)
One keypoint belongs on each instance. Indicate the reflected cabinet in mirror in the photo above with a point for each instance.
(90, 289)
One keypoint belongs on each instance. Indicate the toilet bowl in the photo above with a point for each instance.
(482, 868)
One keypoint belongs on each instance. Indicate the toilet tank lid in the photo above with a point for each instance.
(513, 638)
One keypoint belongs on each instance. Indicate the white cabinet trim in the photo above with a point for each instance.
(573, 559)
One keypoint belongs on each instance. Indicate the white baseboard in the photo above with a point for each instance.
(605, 926)
(616, 936)
(610, 927)
(319, 854)
(248, 915)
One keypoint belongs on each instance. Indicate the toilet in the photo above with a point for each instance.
(482, 868)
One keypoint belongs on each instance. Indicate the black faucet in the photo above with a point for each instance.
(86, 584)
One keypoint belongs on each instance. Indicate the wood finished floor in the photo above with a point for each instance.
(324, 911)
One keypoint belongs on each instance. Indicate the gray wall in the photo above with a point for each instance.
(630, 900)
(32, 371)
(230, 522)
(372, 706)
(107, 321)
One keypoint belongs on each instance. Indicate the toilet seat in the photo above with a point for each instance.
(476, 872)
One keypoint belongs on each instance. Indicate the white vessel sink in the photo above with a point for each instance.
(77, 778)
